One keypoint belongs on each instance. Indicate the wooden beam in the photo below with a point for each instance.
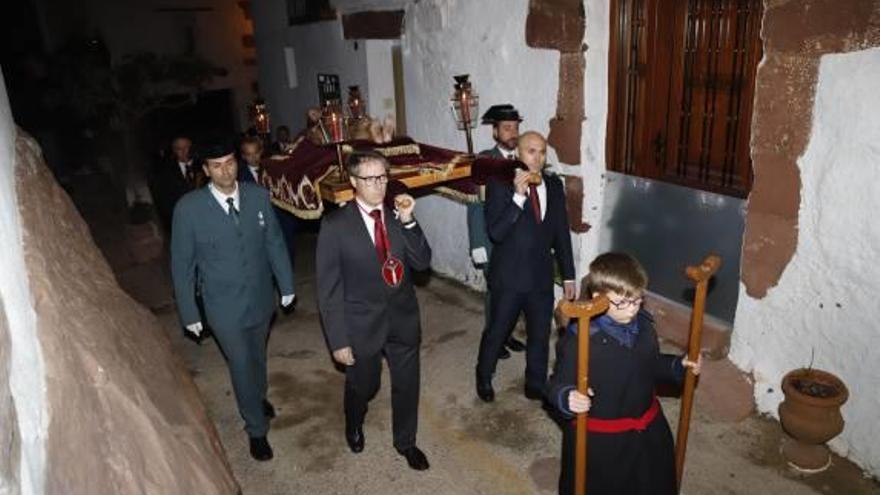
(373, 25)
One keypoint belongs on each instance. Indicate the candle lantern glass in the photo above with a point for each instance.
(333, 122)
(260, 117)
(464, 103)
(356, 103)
(335, 132)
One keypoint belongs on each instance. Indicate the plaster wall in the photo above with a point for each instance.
(380, 78)
(825, 302)
(593, 165)
(318, 48)
(22, 423)
(448, 37)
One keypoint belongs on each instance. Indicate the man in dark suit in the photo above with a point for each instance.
(226, 240)
(251, 151)
(528, 224)
(283, 143)
(365, 256)
(172, 178)
(505, 120)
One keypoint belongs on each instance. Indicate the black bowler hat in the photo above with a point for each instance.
(217, 149)
(500, 113)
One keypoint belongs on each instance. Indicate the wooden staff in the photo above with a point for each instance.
(700, 275)
(583, 311)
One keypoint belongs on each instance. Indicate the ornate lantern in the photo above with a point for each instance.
(465, 104)
(334, 130)
(260, 117)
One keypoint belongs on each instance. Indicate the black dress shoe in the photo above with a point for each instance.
(515, 345)
(268, 409)
(532, 394)
(355, 439)
(415, 458)
(504, 354)
(485, 391)
(260, 449)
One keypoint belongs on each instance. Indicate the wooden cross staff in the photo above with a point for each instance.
(583, 311)
(700, 275)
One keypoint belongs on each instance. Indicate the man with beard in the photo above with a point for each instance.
(505, 120)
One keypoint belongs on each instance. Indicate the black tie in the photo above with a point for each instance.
(232, 212)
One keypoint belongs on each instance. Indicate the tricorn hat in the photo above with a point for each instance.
(500, 113)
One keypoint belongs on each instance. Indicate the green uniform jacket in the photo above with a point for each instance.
(233, 265)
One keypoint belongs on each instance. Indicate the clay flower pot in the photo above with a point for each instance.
(810, 415)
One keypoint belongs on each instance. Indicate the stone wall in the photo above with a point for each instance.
(123, 414)
(92, 398)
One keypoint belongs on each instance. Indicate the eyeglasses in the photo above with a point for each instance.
(373, 180)
(625, 303)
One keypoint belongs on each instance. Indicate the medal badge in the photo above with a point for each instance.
(392, 271)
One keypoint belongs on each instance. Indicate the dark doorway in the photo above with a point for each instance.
(210, 116)
(681, 79)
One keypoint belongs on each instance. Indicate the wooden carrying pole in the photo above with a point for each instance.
(700, 275)
(583, 311)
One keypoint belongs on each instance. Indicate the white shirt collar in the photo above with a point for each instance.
(369, 221)
(183, 166)
(506, 154)
(221, 198)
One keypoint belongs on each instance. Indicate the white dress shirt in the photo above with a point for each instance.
(520, 199)
(221, 197)
(369, 221)
(506, 154)
(183, 167)
(255, 171)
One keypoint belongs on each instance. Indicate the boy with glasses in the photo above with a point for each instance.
(630, 447)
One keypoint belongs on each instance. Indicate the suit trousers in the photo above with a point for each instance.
(245, 351)
(362, 382)
(506, 306)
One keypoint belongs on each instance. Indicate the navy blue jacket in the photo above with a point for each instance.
(524, 250)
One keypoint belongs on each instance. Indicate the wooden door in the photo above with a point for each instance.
(681, 79)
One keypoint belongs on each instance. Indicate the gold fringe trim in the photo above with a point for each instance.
(404, 149)
(454, 195)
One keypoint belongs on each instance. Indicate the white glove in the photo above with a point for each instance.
(195, 328)
(480, 256)
(286, 300)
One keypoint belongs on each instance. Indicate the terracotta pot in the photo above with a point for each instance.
(810, 415)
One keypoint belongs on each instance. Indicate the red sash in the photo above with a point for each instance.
(621, 425)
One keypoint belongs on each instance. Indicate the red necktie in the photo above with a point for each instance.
(379, 232)
(536, 204)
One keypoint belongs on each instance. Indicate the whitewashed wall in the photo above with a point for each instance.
(318, 48)
(448, 37)
(26, 373)
(593, 166)
(826, 301)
